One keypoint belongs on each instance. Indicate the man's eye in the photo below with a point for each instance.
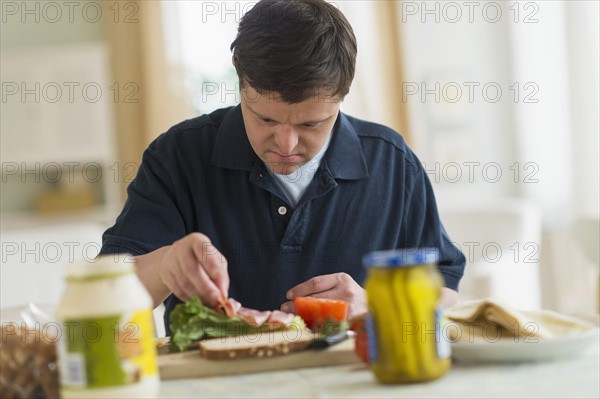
(266, 120)
(310, 125)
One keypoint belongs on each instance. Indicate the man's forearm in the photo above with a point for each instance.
(148, 271)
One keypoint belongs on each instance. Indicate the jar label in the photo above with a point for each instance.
(107, 351)
(371, 338)
(443, 349)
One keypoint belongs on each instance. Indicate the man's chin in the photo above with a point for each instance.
(282, 168)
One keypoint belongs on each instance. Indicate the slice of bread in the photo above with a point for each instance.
(259, 345)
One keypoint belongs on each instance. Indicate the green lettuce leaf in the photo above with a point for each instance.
(192, 321)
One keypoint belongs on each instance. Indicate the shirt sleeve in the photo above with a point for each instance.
(423, 227)
(150, 218)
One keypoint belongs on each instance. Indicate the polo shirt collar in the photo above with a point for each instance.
(344, 157)
(232, 148)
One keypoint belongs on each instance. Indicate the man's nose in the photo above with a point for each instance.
(286, 139)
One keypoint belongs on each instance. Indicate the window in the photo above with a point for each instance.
(202, 34)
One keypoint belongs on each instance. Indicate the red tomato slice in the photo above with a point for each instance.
(315, 311)
(361, 346)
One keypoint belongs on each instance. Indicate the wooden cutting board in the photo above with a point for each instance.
(191, 364)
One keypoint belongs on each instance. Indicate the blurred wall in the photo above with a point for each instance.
(20, 29)
(503, 104)
(39, 36)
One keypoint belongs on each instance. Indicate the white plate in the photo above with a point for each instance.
(526, 350)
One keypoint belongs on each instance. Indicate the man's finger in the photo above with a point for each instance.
(210, 292)
(213, 263)
(194, 279)
(313, 286)
(288, 307)
(171, 282)
(181, 287)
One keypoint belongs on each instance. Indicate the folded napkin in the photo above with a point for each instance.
(490, 320)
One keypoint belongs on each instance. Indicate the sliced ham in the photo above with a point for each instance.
(254, 318)
(228, 306)
(280, 319)
(235, 306)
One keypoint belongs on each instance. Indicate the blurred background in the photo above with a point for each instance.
(500, 100)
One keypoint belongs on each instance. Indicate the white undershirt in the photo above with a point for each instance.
(295, 184)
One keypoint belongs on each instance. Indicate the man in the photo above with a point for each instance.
(282, 195)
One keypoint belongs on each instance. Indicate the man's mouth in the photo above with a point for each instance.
(287, 158)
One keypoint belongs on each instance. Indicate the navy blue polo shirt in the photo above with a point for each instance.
(369, 193)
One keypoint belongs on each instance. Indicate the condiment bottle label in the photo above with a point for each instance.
(107, 351)
(371, 338)
(443, 349)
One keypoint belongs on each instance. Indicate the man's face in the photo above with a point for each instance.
(286, 136)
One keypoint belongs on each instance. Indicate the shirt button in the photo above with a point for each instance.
(282, 210)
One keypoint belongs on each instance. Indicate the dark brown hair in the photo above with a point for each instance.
(295, 48)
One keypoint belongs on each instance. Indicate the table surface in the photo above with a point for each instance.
(575, 377)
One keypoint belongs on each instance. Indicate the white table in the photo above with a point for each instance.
(577, 377)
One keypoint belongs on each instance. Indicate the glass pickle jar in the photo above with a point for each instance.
(107, 347)
(403, 328)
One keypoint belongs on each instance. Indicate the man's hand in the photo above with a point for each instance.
(193, 266)
(449, 297)
(190, 267)
(332, 286)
